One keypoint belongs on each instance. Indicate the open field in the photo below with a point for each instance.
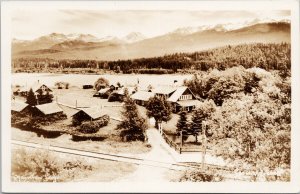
(82, 79)
(81, 169)
(106, 146)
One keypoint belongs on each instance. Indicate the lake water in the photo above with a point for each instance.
(144, 80)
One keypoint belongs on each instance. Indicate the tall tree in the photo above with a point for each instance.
(31, 99)
(182, 124)
(100, 83)
(133, 124)
(160, 109)
(196, 125)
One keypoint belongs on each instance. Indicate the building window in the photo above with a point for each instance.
(185, 97)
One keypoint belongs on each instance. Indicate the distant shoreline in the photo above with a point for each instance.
(97, 72)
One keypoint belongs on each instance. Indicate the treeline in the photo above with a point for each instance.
(266, 56)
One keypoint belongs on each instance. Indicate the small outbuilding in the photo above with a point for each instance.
(89, 114)
(19, 107)
(48, 109)
(142, 97)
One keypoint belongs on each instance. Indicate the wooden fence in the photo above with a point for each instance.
(182, 149)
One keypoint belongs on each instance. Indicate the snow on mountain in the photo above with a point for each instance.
(107, 38)
(133, 37)
(83, 37)
(226, 26)
(18, 41)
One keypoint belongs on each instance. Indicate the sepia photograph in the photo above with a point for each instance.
(160, 94)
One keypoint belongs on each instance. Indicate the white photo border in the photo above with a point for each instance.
(85, 187)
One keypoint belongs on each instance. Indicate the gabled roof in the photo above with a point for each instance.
(104, 90)
(93, 112)
(122, 90)
(35, 87)
(49, 108)
(179, 91)
(164, 90)
(38, 85)
(18, 106)
(142, 95)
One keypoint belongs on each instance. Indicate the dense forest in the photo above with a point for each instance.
(266, 56)
(248, 112)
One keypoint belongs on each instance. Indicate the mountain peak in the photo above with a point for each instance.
(134, 37)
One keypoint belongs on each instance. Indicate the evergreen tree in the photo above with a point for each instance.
(31, 100)
(196, 126)
(133, 124)
(159, 108)
(183, 125)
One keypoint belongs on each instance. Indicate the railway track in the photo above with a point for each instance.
(113, 157)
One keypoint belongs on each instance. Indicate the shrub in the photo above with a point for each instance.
(41, 166)
(93, 126)
(200, 176)
(130, 135)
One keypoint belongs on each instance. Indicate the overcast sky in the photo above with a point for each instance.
(30, 24)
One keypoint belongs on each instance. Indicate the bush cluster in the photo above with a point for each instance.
(43, 166)
(200, 176)
(113, 97)
(23, 120)
(93, 126)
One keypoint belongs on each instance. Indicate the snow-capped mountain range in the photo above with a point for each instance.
(137, 36)
(225, 27)
(135, 44)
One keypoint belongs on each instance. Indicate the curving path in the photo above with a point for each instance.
(158, 153)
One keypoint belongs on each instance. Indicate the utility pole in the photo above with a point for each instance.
(181, 139)
(203, 143)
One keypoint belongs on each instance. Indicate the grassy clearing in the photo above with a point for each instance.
(84, 97)
(31, 165)
(109, 145)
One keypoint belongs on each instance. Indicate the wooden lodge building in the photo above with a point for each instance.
(181, 98)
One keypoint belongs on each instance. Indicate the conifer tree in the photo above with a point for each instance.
(196, 126)
(182, 124)
(31, 99)
(133, 124)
